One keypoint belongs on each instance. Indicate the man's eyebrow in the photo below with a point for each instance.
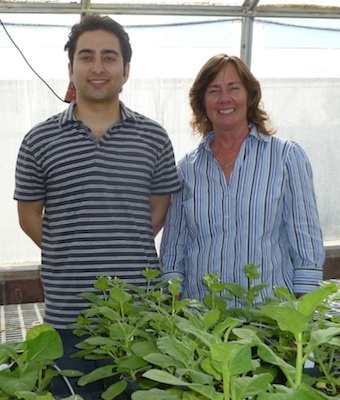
(110, 51)
(105, 51)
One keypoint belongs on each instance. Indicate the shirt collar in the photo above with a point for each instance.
(67, 115)
(209, 137)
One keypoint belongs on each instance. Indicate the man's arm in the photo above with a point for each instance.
(30, 219)
(159, 206)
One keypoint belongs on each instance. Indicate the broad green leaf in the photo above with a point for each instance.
(283, 293)
(267, 354)
(257, 288)
(236, 356)
(164, 377)
(162, 360)
(281, 396)
(143, 348)
(36, 331)
(189, 395)
(252, 271)
(174, 348)
(153, 394)
(47, 377)
(287, 317)
(335, 341)
(103, 283)
(34, 396)
(205, 337)
(217, 287)
(91, 297)
(210, 318)
(320, 337)
(208, 392)
(174, 286)
(71, 373)
(212, 368)
(11, 382)
(308, 303)
(130, 362)
(311, 393)
(242, 362)
(151, 273)
(248, 386)
(195, 376)
(43, 344)
(8, 350)
(114, 390)
(119, 295)
(305, 392)
(108, 313)
(95, 375)
(236, 289)
(96, 341)
(122, 331)
(227, 324)
(247, 336)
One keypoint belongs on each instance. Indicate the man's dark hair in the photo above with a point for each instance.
(96, 22)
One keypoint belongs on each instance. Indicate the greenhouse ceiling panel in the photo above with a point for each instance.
(232, 8)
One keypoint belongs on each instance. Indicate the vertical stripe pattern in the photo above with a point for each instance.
(266, 214)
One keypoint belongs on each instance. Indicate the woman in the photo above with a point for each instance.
(247, 197)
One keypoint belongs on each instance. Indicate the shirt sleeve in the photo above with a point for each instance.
(165, 179)
(302, 223)
(172, 250)
(29, 180)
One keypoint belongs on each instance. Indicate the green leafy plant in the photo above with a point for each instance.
(122, 326)
(185, 349)
(26, 368)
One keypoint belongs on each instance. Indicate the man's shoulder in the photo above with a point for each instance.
(142, 122)
(45, 127)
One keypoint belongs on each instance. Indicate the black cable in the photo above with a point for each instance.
(17, 47)
(203, 22)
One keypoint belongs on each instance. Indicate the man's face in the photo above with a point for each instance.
(98, 72)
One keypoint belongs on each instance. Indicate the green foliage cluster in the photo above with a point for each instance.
(175, 348)
(26, 368)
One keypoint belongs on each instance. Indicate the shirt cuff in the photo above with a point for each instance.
(306, 280)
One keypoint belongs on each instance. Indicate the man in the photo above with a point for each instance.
(93, 183)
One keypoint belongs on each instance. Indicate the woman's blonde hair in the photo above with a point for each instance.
(257, 116)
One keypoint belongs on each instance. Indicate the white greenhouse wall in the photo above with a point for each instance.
(307, 111)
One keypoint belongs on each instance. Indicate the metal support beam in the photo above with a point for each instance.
(246, 39)
(247, 31)
(249, 9)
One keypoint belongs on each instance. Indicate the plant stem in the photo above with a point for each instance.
(226, 382)
(299, 361)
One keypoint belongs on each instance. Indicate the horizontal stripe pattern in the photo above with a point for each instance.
(266, 215)
(97, 217)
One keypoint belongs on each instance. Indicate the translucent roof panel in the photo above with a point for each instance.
(282, 3)
(236, 8)
(238, 3)
(172, 3)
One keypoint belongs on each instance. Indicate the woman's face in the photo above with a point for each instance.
(226, 100)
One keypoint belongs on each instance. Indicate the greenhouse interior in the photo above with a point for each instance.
(292, 48)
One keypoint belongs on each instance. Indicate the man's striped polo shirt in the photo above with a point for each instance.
(97, 217)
